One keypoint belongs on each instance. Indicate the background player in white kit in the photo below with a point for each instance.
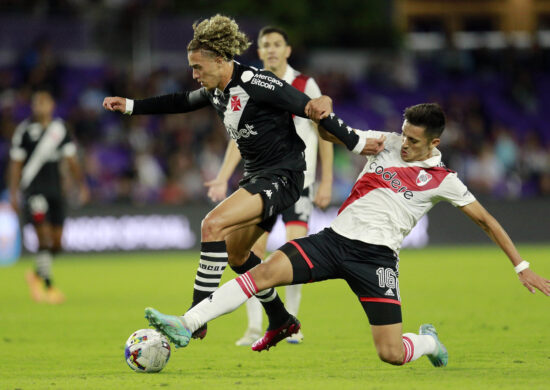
(274, 51)
(395, 189)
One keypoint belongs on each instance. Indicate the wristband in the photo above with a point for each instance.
(129, 107)
(361, 143)
(521, 266)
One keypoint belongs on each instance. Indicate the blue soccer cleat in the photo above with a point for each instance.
(172, 327)
(441, 356)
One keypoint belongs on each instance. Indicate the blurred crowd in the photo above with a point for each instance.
(496, 136)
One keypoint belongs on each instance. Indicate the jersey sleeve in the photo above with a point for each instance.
(312, 90)
(172, 104)
(17, 150)
(264, 87)
(267, 88)
(455, 192)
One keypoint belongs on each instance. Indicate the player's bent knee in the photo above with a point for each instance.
(211, 228)
(390, 355)
(276, 271)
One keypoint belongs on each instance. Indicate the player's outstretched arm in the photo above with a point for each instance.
(497, 233)
(217, 188)
(166, 104)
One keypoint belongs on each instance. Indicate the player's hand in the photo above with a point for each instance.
(319, 108)
(531, 281)
(115, 103)
(217, 189)
(373, 146)
(323, 195)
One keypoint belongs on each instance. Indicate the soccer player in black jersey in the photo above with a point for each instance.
(38, 145)
(256, 108)
(274, 50)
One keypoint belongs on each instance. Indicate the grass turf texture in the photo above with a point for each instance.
(495, 330)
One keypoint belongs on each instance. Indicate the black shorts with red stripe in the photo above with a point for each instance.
(370, 270)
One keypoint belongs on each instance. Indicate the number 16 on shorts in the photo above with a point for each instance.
(388, 280)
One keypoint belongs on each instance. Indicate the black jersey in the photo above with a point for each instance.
(41, 150)
(256, 108)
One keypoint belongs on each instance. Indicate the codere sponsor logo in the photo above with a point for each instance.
(392, 179)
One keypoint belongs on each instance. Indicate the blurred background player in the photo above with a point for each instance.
(274, 51)
(39, 144)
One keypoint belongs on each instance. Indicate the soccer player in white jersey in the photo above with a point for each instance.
(274, 51)
(395, 189)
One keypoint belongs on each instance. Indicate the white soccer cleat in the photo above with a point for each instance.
(296, 338)
(249, 337)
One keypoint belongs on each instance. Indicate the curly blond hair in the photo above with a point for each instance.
(220, 35)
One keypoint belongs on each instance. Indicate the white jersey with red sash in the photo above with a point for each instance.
(391, 195)
(304, 127)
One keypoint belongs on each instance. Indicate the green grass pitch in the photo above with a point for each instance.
(496, 332)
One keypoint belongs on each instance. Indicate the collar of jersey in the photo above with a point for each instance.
(433, 161)
(218, 91)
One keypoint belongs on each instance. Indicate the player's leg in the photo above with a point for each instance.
(308, 254)
(53, 294)
(40, 279)
(296, 220)
(254, 308)
(257, 202)
(371, 272)
(242, 260)
(292, 263)
(293, 292)
(397, 348)
(239, 210)
(56, 216)
(35, 212)
(276, 271)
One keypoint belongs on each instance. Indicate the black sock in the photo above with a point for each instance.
(211, 266)
(250, 263)
(270, 300)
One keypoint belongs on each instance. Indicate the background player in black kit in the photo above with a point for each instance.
(39, 143)
(256, 108)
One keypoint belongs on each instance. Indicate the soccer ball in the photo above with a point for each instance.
(147, 351)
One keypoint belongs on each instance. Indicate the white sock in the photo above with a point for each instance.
(255, 313)
(292, 298)
(224, 300)
(417, 345)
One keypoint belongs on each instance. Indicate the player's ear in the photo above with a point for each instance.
(435, 142)
(288, 51)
